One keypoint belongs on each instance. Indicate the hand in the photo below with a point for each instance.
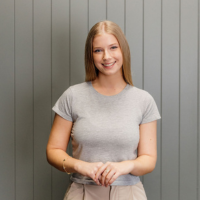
(110, 171)
(89, 169)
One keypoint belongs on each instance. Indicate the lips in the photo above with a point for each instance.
(108, 64)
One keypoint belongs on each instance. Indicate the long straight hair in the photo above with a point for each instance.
(111, 28)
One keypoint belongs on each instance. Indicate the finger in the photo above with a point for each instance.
(96, 180)
(100, 171)
(105, 173)
(109, 177)
(100, 178)
(92, 174)
(113, 178)
(96, 170)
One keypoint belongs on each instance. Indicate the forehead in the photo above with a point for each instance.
(104, 39)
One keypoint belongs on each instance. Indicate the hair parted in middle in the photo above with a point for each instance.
(111, 28)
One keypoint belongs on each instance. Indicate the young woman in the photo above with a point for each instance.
(112, 124)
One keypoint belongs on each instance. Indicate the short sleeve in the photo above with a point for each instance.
(63, 106)
(150, 110)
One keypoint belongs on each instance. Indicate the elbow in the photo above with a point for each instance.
(147, 165)
(146, 171)
(48, 155)
(152, 166)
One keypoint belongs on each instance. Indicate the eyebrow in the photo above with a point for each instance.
(109, 45)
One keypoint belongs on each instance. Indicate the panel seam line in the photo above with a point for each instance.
(161, 101)
(51, 90)
(179, 97)
(198, 101)
(15, 145)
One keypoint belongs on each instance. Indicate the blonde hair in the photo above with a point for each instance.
(114, 29)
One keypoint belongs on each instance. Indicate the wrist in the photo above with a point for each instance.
(77, 165)
(64, 167)
(129, 166)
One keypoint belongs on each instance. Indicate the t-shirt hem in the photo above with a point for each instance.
(121, 183)
(153, 118)
(56, 110)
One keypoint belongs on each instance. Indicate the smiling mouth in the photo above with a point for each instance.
(108, 65)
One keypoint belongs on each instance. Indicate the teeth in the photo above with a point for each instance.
(109, 64)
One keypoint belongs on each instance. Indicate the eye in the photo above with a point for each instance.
(97, 50)
(114, 47)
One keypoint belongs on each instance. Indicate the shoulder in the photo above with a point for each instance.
(77, 90)
(140, 93)
(79, 86)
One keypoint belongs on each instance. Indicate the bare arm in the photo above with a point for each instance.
(58, 142)
(147, 150)
(57, 146)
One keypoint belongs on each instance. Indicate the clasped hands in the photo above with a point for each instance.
(106, 174)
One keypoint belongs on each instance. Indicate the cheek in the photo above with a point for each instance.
(118, 55)
(96, 58)
(119, 58)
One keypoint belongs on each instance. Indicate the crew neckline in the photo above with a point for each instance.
(102, 95)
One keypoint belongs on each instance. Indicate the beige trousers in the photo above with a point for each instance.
(93, 192)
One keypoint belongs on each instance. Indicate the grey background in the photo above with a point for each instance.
(42, 53)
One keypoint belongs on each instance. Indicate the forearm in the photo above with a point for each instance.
(142, 165)
(55, 157)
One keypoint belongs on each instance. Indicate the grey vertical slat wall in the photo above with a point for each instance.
(78, 32)
(7, 101)
(60, 74)
(134, 35)
(188, 98)
(115, 12)
(198, 137)
(134, 27)
(42, 54)
(97, 11)
(42, 95)
(24, 99)
(170, 100)
(152, 82)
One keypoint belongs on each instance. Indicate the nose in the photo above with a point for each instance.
(106, 55)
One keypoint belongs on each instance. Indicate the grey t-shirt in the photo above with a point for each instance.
(106, 128)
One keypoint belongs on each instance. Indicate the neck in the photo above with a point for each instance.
(110, 82)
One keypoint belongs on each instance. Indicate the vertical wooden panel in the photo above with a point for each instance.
(24, 99)
(60, 48)
(97, 11)
(42, 97)
(78, 31)
(198, 155)
(7, 98)
(134, 35)
(152, 81)
(188, 101)
(115, 12)
(60, 76)
(170, 100)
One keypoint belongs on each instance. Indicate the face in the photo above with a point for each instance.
(107, 55)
